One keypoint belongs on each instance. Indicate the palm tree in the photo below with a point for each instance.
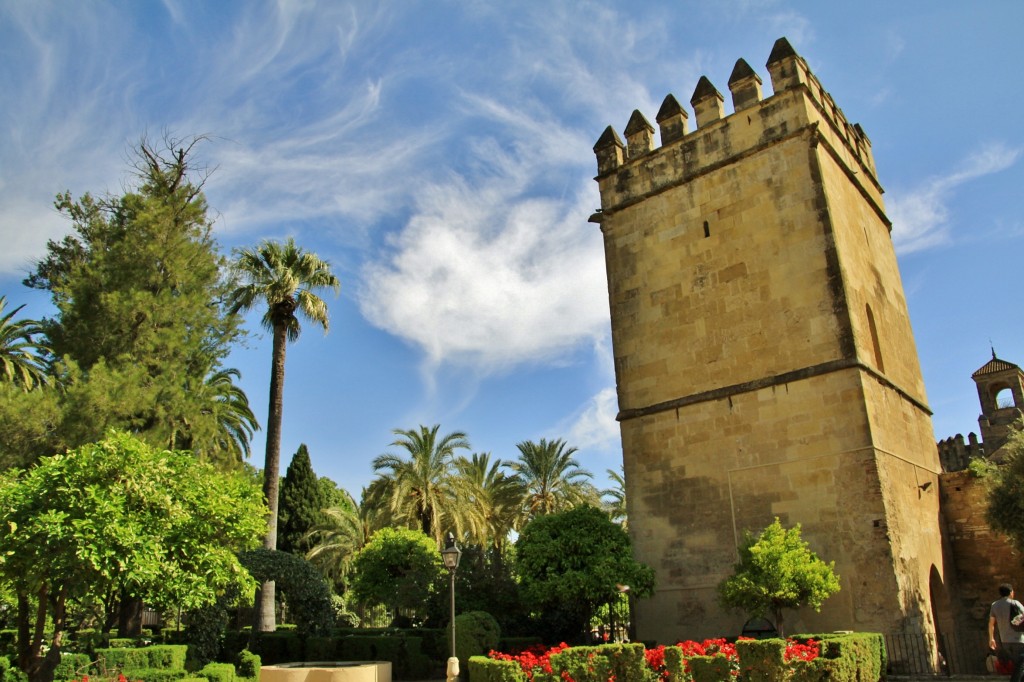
(284, 278)
(231, 422)
(20, 361)
(554, 480)
(335, 540)
(420, 490)
(493, 500)
(615, 505)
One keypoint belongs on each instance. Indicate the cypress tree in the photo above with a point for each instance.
(300, 505)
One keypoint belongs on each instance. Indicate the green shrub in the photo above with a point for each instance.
(762, 660)
(72, 666)
(248, 665)
(582, 664)
(218, 672)
(357, 648)
(122, 643)
(155, 675)
(168, 656)
(10, 672)
(278, 647)
(674, 664)
(476, 633)
(483, 669)
(321, 649)
(628, 661)
(510, 645)
(8, 639)
(157, 657)
(710, 668)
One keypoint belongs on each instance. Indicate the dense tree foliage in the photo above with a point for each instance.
(572, 562)
(399, 568)
(1006, 492)
(120, 517)
(138, 291)
(301, 504)
(284, 278)
(777, 570)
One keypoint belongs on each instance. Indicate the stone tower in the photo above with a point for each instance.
(764, 359)
(996, 379)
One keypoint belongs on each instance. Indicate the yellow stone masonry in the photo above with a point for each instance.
(764, 359)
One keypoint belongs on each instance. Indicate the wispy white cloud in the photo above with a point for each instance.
(489, 279)
(920, 216)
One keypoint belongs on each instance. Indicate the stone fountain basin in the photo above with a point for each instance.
(328, 671)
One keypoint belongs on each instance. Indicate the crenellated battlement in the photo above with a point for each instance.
(799, 105)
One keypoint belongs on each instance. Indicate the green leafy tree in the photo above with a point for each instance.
(777, 570)
(29, 424)
(399, 568)
(420, 489)
(138, 290)
(553, 478)
(119, 516)
(571, 563)
(20, 355)
(301, 503)
(1006, 490)
(284, 278)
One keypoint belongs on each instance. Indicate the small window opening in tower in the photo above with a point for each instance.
(707, 229)
(1004, 398)
(874, 340)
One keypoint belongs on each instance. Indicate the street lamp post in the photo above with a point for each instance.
(451, 555)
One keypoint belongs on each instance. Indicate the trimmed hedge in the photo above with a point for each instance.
(628, 661)
(160, 657)
(483, 669)
(762, 660)
(581, 663)
(218, 672)
(249, 665)
(710, 668)
(156, 675)
(72, 666)
(857, 657)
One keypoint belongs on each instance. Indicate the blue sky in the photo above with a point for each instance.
(439, 155)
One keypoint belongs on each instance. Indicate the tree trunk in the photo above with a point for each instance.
(778, 623)
(264, 620)
(39, 667)
(129, 617)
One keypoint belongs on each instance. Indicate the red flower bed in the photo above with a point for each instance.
(538, 658)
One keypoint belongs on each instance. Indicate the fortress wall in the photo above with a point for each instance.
(699, 477)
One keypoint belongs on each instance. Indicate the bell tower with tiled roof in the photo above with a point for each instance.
(1001, 393)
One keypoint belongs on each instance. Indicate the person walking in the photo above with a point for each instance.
(1010, 639)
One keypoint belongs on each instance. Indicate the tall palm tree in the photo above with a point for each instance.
(553, 479)
(20, 361)
(284, 278)
(420, 489)
(492, 498)
(615, 502)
